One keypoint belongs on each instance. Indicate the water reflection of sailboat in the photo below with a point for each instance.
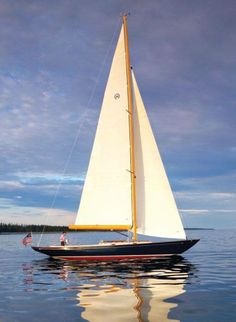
(139, 299)
(115, 291)
(140, 303)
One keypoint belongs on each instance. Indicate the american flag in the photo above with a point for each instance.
(27, 239)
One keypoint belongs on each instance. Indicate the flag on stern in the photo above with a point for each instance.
(27, 239)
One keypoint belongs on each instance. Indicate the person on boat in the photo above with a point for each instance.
(63, 239)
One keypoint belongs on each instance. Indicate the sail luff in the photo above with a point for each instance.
(131, 130)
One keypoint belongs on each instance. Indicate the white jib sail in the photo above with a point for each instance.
(157, 214)
(106, 196)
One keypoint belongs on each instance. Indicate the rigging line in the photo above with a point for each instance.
(118, 232)
(81, 122)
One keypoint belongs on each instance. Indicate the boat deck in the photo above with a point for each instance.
(102, 243)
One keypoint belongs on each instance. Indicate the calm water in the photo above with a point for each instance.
(199, 286)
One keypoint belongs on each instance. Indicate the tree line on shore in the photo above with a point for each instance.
(17, 228)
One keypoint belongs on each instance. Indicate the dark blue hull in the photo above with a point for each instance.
(117, 251)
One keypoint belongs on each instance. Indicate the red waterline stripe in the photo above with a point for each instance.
(118, 257)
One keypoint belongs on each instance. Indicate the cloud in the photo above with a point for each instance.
(219, 185)
(8, 185)
(32, 127)
(49, 178)
(207, 201)
(22, 180)
(207, 211)
(37, 216)
(48, 190)
(194, 211)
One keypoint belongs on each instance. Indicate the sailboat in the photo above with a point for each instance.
(126, 186)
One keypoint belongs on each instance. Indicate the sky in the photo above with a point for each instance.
(54, 62)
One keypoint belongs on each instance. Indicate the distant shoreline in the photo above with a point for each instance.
(16, 228)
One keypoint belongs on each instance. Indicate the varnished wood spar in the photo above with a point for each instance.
(100, 227)
(131, 129)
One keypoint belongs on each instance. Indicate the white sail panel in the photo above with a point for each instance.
(157, 214)
(106, 196)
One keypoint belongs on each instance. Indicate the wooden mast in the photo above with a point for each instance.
(131, 128)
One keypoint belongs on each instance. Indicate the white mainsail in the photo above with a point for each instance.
(106, 194)
(157, 214)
